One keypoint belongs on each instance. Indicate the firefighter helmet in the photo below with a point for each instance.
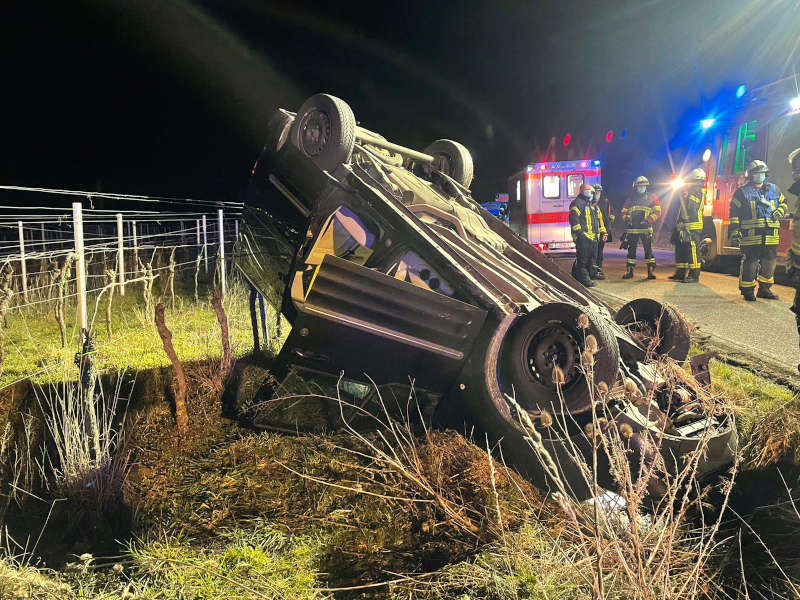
(599, 188)
(757, 166)
(641, 180)
(697, 175)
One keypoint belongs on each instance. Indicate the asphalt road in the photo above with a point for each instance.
(761, 331)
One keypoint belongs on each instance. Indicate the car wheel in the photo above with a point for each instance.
(325, 131)
(452, 159)
(557, 335)
(659, 327)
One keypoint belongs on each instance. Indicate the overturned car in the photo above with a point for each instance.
(390, 273)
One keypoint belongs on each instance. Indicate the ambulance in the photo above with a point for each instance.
(765, 126)
(539, 197)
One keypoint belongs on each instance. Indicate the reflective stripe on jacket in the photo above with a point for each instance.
(585, 219)
(690, 215)
(640, 212)
(757, 213)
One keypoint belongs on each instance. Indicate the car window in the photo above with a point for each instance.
(345, 235)
(574, 183)
(551, 186)
(413, 269)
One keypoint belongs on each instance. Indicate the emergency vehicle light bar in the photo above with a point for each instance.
(564, 165)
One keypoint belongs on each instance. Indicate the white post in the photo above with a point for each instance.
(198, 233)
(221, 251)
(44, 241)
(22, 262)
(80, 270)
(135, 247)
(205, 246)
(235, 230)
(120, 255)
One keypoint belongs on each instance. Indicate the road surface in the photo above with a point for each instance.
(762, 331)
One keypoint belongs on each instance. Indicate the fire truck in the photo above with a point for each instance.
(539, 197)
(765, 126)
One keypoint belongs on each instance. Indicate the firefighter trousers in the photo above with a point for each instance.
(757, 263)
(599, 257)
(647, 245)
(585, 254)
(686, 252)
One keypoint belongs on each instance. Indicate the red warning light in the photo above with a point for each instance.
(567, 139)
(609, 135)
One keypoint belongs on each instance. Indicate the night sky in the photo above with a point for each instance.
(171, 97)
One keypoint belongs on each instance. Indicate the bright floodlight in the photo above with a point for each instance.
(707, 155)
(677, 183)
(707, 123)
(795, 104)
(741, 90)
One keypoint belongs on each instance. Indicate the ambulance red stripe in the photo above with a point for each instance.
(548, 217)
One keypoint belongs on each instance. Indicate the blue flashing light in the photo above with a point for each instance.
(596, 163)
(623, 134)
(741, 90)
(707, 123)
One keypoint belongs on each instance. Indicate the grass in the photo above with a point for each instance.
(232, 514)
(767, 414)
(33, 344)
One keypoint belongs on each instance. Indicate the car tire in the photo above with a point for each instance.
(553, 333)
(325, 131)
(452, 159)
(648, 317)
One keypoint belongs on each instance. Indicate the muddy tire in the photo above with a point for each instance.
(660, 327)
(452, 159)
(552, 335)
(325, 131)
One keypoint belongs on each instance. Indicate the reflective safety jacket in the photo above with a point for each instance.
(794, 255)
(756, 212)
(585, 219)
(640, 212)
(690, 213)
(605, 209)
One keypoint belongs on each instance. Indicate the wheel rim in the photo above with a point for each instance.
(554, 345)
(315, 131)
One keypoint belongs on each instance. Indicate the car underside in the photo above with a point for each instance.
(391, 274)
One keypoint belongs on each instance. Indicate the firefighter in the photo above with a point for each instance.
(640, 212)
(688, 230)
(794, 252)
(604, 206)
(587, 226)
(756, 210)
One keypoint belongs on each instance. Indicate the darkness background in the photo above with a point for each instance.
(171, 97)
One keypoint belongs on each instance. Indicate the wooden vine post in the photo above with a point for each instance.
(110, 275)
(181, 415)
(222, 319)
(147, 278)
(62, 278)
(6, 293)
(171, 279)
(196, 273)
